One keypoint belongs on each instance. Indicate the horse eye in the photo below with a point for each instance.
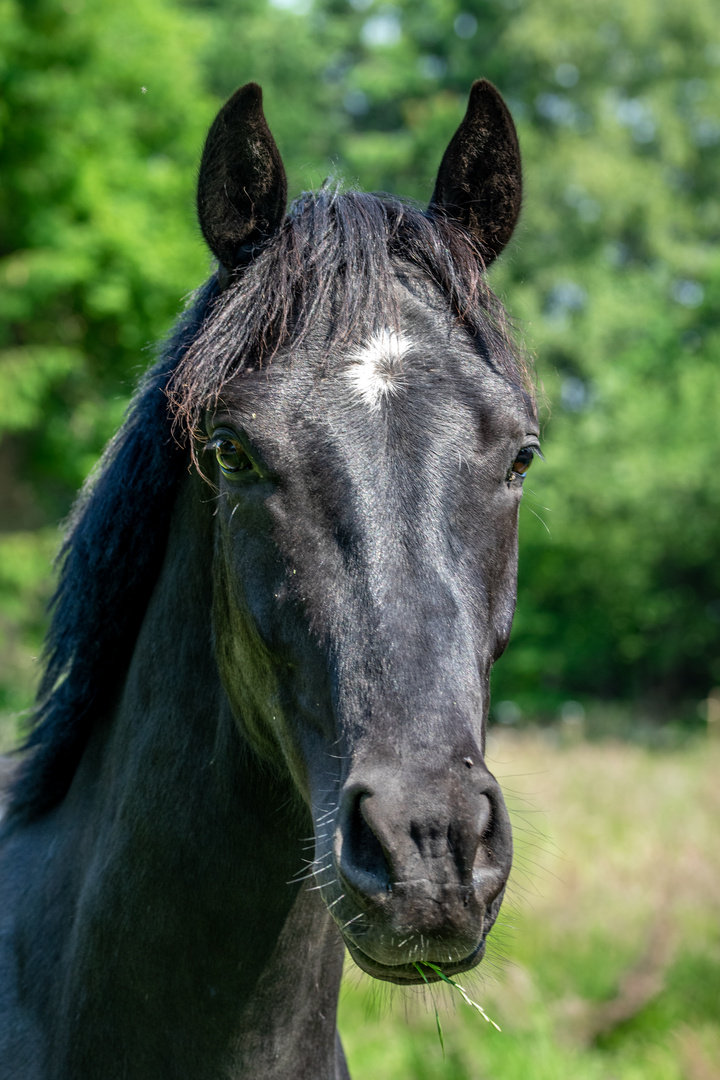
(231, 456)
(521, 464)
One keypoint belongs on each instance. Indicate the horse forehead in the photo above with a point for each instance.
(420, 366)
(427, 368)
(392, 380)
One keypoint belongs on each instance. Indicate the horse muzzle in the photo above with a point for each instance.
(420, 869)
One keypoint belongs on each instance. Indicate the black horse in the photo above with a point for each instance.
(280, 599)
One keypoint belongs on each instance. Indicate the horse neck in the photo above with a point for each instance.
(202, 959)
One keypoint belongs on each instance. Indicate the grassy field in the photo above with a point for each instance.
(605, 964)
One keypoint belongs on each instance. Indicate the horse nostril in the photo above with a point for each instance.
(363, 860)
(493, 856)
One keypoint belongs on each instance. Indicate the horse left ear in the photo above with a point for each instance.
(479, 182)
(242, 188)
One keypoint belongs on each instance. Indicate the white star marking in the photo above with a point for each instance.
(376, 371)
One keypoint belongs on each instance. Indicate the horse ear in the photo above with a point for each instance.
(479, 182)
(242, 188)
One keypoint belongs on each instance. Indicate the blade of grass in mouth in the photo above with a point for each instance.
(451, 982)
(437, 1014)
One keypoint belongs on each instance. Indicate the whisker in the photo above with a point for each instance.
(354, 919)
(325, 885)
(539, 519)
(309, 874)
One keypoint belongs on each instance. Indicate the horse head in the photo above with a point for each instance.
(367, 430)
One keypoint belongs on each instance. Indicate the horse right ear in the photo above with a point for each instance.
(242, 188)
(479, 182)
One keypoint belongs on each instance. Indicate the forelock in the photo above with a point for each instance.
(332, 268)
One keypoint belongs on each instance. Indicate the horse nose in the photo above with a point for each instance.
(452, 836)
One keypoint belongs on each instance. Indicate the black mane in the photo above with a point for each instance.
(109, 560)
(349, 244)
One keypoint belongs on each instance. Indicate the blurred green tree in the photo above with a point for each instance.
(101, 118)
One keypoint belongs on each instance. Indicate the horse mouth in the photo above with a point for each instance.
(405, 974)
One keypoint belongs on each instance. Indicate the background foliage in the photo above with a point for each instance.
(614, 276)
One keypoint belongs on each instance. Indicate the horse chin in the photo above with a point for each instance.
(406, 974)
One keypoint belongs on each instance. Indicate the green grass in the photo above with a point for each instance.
(606, 959)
